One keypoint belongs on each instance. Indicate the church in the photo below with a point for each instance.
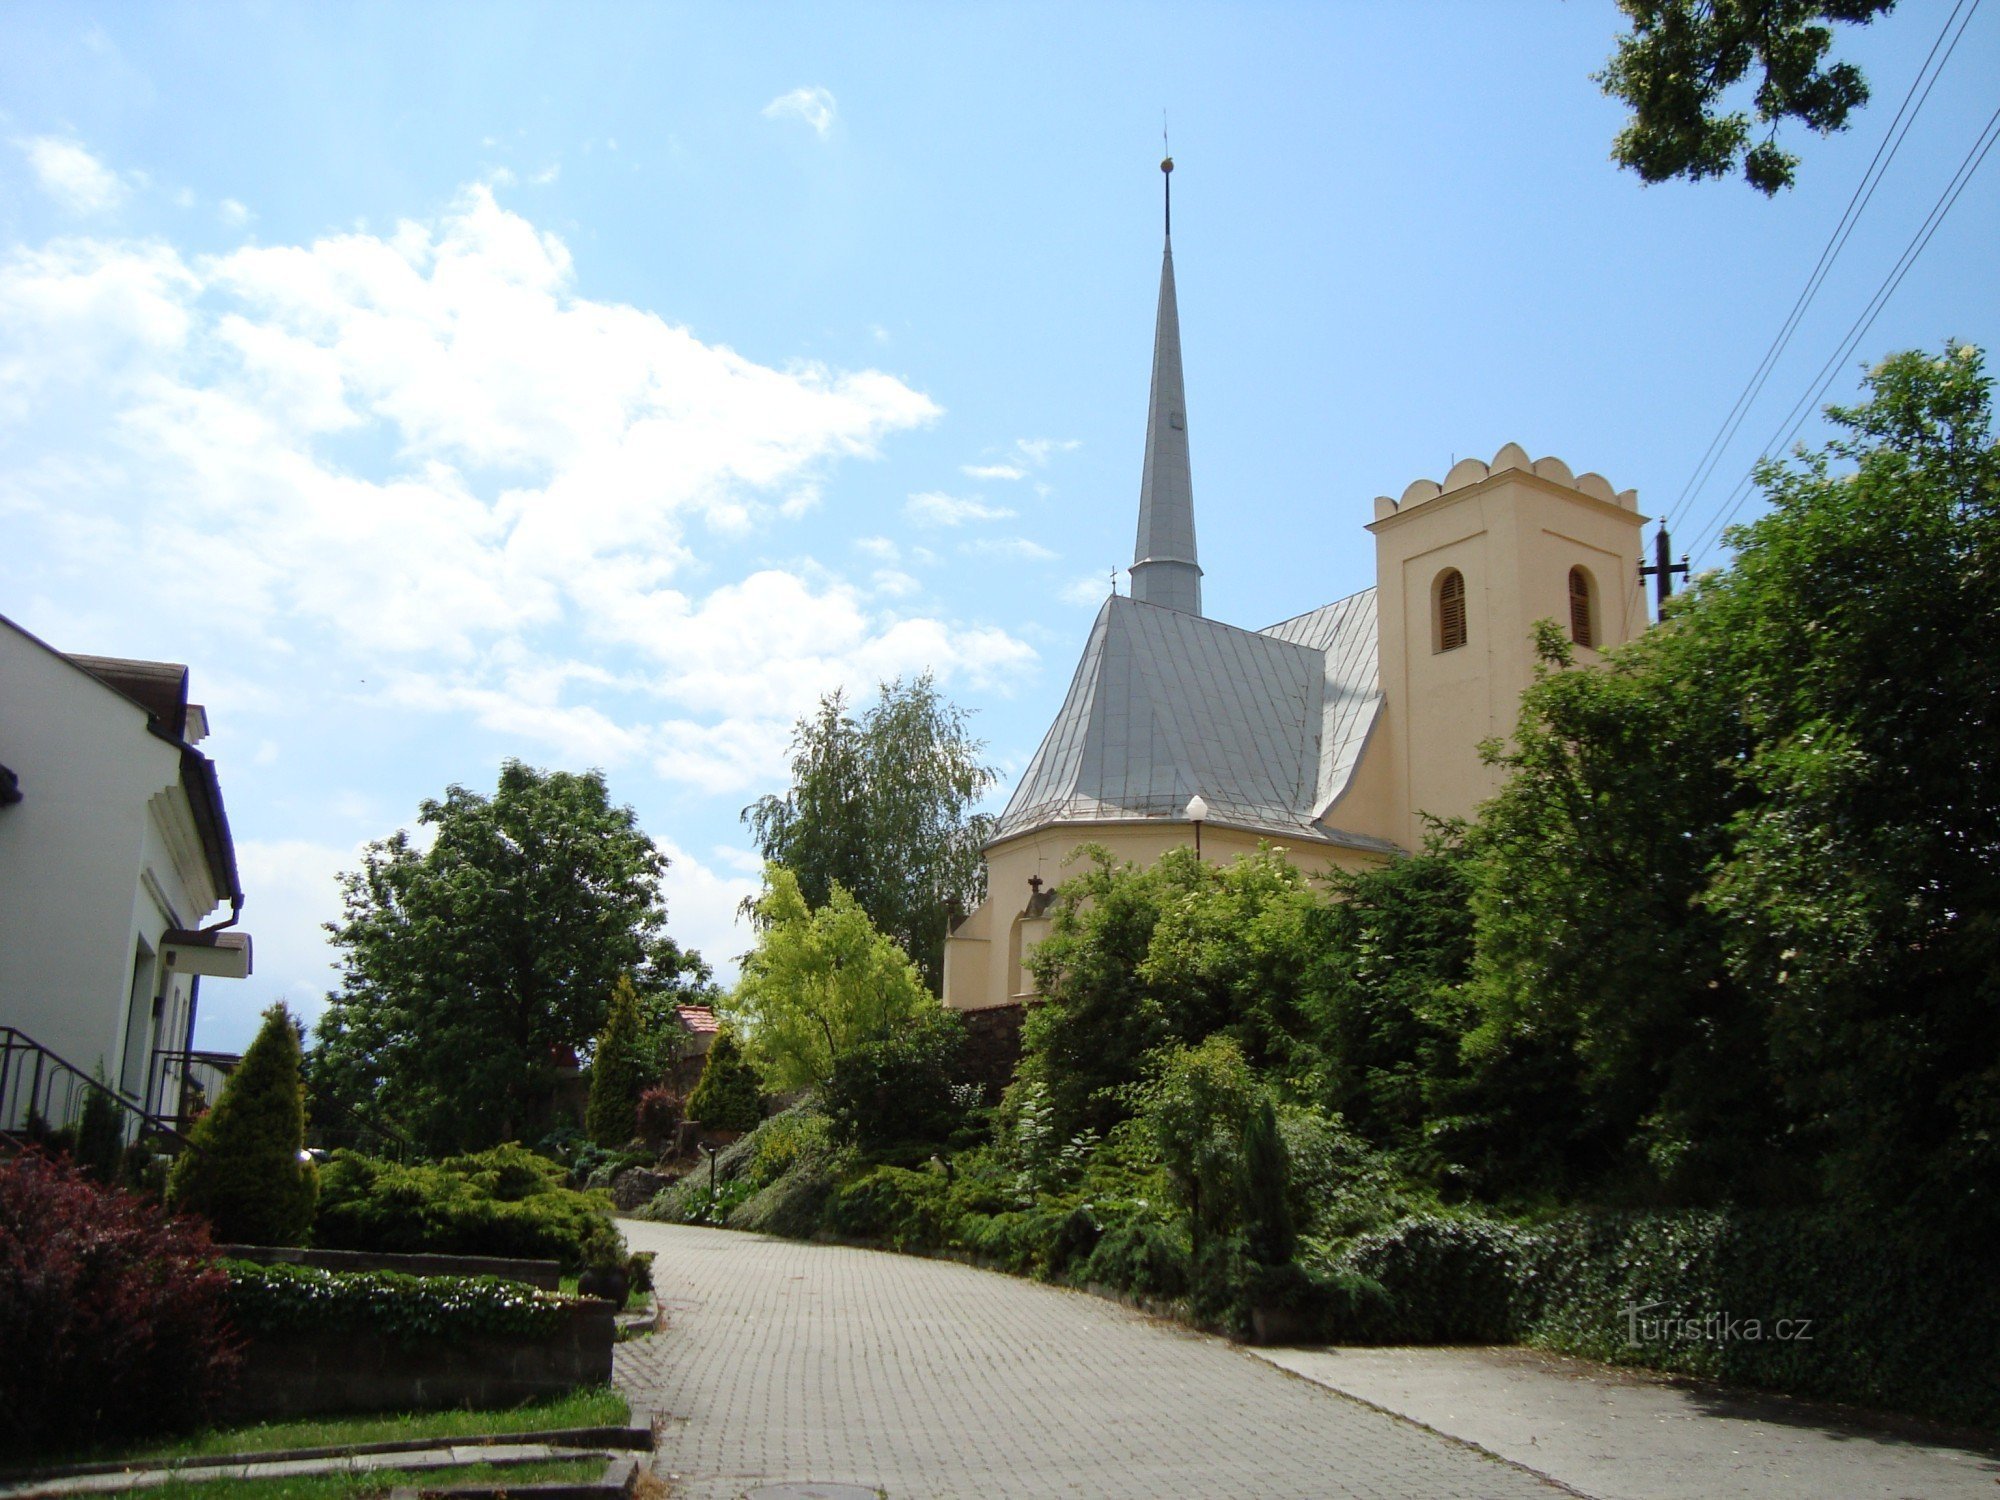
(1330, 735)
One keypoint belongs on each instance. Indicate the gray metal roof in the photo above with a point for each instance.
(1266, 726)
(1165, 569)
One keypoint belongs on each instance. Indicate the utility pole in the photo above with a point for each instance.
(1662, 570)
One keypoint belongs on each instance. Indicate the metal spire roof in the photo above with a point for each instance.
(1266, 725)
(1164, 568)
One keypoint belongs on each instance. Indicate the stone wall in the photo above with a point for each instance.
(323, 1373)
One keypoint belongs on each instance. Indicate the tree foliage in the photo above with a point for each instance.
(1738, 892)
(1683, 56)
(471, 968)
(617, 1072)
(727, 1096)
(881, 806)
(819, 983)
(243, 1170)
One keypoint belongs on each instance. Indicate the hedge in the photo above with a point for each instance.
(1810, 1304)
(287, 1301)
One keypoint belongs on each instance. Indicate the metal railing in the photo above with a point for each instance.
(41, 1093)
(190, 1082)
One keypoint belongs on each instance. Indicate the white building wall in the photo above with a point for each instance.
(89, 866)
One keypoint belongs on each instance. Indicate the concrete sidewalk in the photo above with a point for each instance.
(1616, 1434)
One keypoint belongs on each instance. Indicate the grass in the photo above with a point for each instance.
(600, 1407)
(364, 1486)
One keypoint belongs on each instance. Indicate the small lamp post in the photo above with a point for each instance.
(1196, 813)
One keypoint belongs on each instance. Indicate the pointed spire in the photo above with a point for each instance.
(1164, 570)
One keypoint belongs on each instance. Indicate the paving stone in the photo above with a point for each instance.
(817, 1364)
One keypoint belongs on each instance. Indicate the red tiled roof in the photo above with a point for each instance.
(699, 1019)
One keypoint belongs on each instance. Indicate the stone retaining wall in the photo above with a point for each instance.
(301, 1375)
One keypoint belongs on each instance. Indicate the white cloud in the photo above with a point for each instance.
(233, 213)
(293, 887)
(547, 175)
(878, 547)
(893, 583)
(1013, 546)
(1037, 451)
(423, 457)
(812, 104)
(935, 508)
(702, 904)
(68, 173)
(993, 471)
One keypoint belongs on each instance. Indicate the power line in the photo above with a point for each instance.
(1795, 419)
(1878, 166)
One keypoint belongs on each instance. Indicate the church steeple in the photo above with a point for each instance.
(1164, 570)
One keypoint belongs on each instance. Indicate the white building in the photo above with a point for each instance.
(114, 853)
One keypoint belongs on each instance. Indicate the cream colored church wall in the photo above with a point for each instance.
(1514, 533)
(985, 959)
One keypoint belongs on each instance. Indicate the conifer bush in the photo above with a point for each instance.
(727, 1097)
(112, 1315)
(244, 1171)
(617, 1074)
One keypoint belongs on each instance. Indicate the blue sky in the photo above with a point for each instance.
(600, 384)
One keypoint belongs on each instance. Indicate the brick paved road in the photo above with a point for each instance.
(929, 1379)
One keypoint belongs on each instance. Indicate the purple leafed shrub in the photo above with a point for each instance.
(112, 1314)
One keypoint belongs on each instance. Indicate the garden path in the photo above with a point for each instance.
(790, 1362)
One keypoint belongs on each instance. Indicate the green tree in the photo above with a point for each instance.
(727, 1096)
(881, 806)
(1860, 620)
(1734, 905)
(818, 984)
(244, 1171)
(617, 1072)
(469, 969)
(1683, 56)
(1269, 1235)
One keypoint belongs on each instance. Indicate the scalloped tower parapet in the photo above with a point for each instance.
(1470, 471)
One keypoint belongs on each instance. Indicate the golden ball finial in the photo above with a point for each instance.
(1167, 165)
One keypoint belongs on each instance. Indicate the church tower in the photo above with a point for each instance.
(1164, 569)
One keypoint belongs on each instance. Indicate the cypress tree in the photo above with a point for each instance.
(611, 1118)
(727, 1098)
(1267, 1171)
(243, 1171)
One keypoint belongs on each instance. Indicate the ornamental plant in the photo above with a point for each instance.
(112, 1314)
(244, 1171)
(727, 1098)
(616, 1074)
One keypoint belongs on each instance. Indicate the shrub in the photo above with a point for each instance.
(1895, 1321)
(1449, 1281)
(1076, 1236)
(506, 1202)
(1267, 1170)
(902, 1090)
(612, 1114)
(784, 1141)
(243, 1171)
(111, 1313)
(1141, 1259)
(793, 1206)
(289, 1301)
(659, 1114)
(727, 1097)
(100, 1138)
(891, 1206)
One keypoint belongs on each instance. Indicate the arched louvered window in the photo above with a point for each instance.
(1449, 614)
(1579, 608)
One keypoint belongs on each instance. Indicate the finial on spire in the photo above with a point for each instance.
(1167, 170)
